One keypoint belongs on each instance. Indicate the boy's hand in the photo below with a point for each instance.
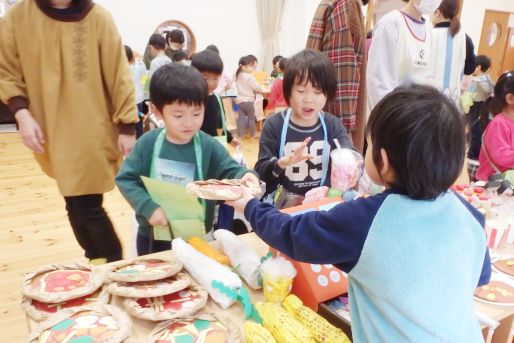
(126, 143)
(251, 180)
(31, 133)
(240, 204)
(158, 218)
(235, 142)
(297, 155)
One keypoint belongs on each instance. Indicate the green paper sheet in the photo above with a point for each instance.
(183, 211)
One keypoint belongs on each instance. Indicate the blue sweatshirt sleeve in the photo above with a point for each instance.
(334, 237)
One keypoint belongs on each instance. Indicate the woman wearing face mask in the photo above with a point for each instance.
(449, 54)
(400, 49)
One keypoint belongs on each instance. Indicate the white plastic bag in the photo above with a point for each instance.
(204, 270)
(242, 257)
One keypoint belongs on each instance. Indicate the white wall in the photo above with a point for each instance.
(473, 13)
(230, 24)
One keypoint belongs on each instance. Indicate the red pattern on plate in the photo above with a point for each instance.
(171, 302)
(58, 281)
(52, 308)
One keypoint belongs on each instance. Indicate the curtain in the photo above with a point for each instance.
(269, 13)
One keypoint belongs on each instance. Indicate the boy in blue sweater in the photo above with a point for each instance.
(415, 253)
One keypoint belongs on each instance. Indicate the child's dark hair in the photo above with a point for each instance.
(179, 56)
(207, 61)
(484, 62)
(129, 53)
(244, 61)
(310, 65)
(282, 64)
(213, 48)
(450, 10)
(504, 86)
(176, 82)
(175, 36)
(157, 41)
(423, 135)
(276, 59)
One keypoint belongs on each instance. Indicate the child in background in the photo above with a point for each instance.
(247, 88)
(276, 101)
(295, 145)
(178, 94)
(138, 72)
(497, 151)
(210, 65)
(175, 40)
(157, 44)
(482, 87)
(275, 72)
(415, 253)
(181, 57)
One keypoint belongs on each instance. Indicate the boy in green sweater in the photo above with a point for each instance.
(179, 153)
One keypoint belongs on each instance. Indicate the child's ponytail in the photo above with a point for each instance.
(450, 10)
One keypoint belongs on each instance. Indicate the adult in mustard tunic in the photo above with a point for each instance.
(64, 74)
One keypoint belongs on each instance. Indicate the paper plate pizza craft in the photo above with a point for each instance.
(496, 291)
(102, 323)
(505, 266)
(175, 305)
(203, 328)
(145, 269)
(57, 283)
(220, 189)
(148, 289)
(40, 311)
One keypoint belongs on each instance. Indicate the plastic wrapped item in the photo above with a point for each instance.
(320, 328)
(277, 278)
(256, 333)
(283, 327)
(243, 258)
(346, 169)
(205, 270)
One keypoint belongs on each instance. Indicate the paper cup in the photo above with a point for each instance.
(275, 289)
(495, 230)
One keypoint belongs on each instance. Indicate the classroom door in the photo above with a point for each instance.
(508, 60)
(493, 40)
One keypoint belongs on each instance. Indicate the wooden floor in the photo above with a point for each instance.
(34, 228)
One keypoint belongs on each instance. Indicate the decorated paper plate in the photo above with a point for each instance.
(219, 189)
(58, 283)
(91, 324)
(40, 311)
(204, 328)
(179, 304)
(497, 292)
(145, 269)
(505, 266)
(147, 289)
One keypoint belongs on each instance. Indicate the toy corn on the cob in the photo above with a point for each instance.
(319, 327)
(256, 333)
(283, 327)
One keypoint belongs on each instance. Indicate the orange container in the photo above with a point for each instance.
(315, 283)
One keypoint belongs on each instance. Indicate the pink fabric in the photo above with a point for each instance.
(499, 140)
(276, 97)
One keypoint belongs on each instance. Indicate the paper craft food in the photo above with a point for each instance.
(148, 289)
(40, 311)
(145, 269)
(320, 328)
(243, 258)
(476, 196)
(346, 168)
(496, 291)
(175, 305)
(256, 333)
(205, 270)
(103, 323)
(282, 325)
(220, 189)
(58, 283)
(203, 328)
(505, 266)
(206, 249)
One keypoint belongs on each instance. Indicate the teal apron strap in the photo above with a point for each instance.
(223, 124)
